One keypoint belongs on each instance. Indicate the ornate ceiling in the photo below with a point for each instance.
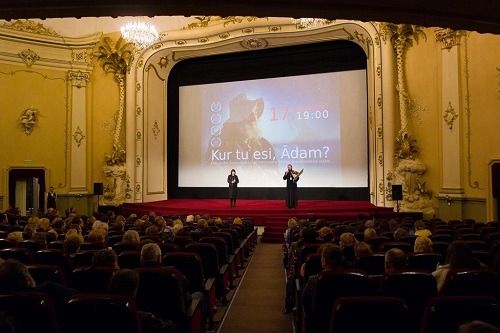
(479, 15)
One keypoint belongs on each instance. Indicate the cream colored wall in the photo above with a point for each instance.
(104, 96)
(423, 69)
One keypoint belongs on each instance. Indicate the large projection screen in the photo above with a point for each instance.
(313, 117)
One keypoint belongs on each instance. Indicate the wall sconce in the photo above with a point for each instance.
(448, 200)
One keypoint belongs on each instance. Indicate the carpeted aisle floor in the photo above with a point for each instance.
(258, 302)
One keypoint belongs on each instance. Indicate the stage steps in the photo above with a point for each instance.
(274, 229)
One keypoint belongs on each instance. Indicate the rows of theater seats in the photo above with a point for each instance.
(210, 264)
(362, 298)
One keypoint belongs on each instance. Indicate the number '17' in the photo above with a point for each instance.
(285, 113)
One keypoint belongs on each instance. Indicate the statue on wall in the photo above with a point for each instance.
(116, 59)
(28, 119)
(409, 169)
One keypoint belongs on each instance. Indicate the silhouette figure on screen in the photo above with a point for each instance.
(233, 181)
(240, 141)
(291, 187)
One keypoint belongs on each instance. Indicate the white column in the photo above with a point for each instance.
(390, 115)
(451, 166)
(78, 84)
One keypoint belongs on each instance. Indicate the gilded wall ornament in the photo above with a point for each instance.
(138, 161)
(381, 158)
(83, 56)
(28, 119)
(248, 30)
(138, 135)
(274, 28)
(202, 22)
(138, 111)
(29, 57)
(128, 188)
(78, 136)
(137, 86)
(254, 43)
(224, 35)
(449, 38)
(163, 62)
(380, 132)
(180, 42)
(203, 40)
(449, 116)
(138, 188)
(78, 78)
(156, 130)
(31, 27)
(379, 70)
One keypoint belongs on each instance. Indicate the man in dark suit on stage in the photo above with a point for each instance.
(291, 187)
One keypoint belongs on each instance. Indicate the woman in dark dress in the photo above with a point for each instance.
(233, 181)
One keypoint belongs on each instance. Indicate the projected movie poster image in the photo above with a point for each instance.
(314, 122)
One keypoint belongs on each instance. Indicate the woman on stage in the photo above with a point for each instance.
(233, 181)
(291, 187)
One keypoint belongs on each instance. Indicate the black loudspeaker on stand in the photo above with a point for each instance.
(98, 190)
(397, 194)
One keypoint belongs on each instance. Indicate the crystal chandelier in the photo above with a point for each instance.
(309, 22)
(140, 33)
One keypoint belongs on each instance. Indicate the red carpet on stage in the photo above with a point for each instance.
(272, 214)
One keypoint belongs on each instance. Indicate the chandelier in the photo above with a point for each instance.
(140, 33)
(309, 22)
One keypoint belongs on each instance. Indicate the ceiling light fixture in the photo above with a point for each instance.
(140, 33)
(309, 22)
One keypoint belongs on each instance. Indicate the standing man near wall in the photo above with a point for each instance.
(51, 198)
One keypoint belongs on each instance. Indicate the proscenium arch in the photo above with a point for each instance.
(147, 142)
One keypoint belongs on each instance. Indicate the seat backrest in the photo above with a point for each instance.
(416, 288)
(407, 248)
(83, 258)
(92, 246)
(440, 247)
(129, 259)
(371, 264)
(208, 255)
(101, 314)
(408, 239)
(190, 265)
(312, 266)
(44, 273)
(369, 314)
(234, 236)
(227, 238)
(332, 285)
(168, 247)
(31, 245)
(438, 237)
(182, 241)
(221, 246)
(160, 292)
(55, 257)
(21, 254)
(426, 261)
(477, 244)
(5, 243)
(91, 281)
(445, 314)
(119, 247)
(32, 311)
(376, 241)
(472, 282)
